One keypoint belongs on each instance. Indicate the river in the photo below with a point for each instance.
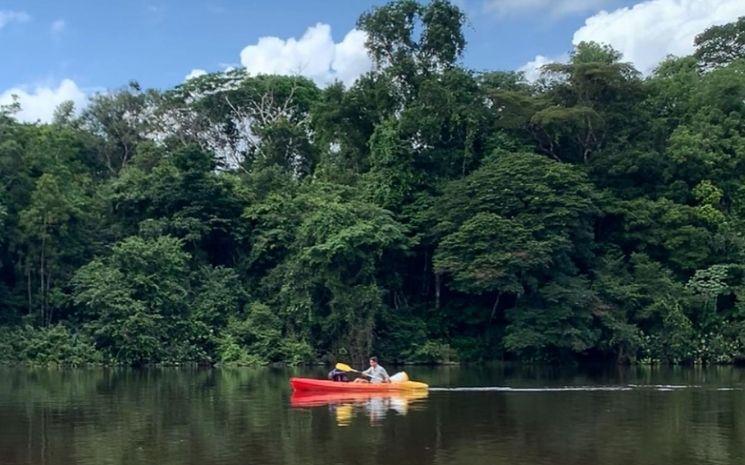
(473, 415)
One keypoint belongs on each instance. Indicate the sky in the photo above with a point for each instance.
(57, 50)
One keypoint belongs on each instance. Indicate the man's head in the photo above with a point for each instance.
(373, 361)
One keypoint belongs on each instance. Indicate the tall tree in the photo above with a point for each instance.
(120, 119)
(720, 45)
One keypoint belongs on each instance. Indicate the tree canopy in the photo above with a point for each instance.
(426, 212)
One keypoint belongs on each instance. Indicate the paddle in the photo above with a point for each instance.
(345, 367)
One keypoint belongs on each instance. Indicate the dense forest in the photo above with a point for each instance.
(427, 213)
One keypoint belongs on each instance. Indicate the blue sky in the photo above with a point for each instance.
(95, 45)
(104, 44)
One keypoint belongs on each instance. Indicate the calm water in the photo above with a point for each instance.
(244, 416)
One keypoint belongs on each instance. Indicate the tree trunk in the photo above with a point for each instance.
(621, 358)
(48, 309)
(425, 281)
(28, 288)
(494, 308)
(42, 310)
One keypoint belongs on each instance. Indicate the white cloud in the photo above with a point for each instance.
(39, 103)
(315, 55)
(648, 31)
(532, 69)
(350, 57)
(58, 26)
(553, 7)
(7, 17)
(195, 73)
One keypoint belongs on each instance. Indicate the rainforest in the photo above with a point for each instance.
(427, 213)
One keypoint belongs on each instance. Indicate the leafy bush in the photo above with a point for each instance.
(52, 345)
(257, 339)
(433, 352)
(297, 352)
(231, 353)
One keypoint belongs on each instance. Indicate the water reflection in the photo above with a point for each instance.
(528, 416)
(346, 406)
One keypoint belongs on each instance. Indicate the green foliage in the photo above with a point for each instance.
(218, 296)
(329, 278)
(256, 339)
(180, 195)
(719, 45)
(427, 212)
(547, 204)
(392, 178)
(52, 345)
(491, 253)
(675, 341)
(592, 96)
(433, 352)
(554, 323)
(118, 118)
(252, 122)
(391, 33)
(136, 300)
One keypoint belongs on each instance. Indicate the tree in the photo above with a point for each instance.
(720, 45)
(594, 76)
(247, 122)
(343, 122)
(489, 253)
(552, 200)
(54, 224)
(327, 284)
(554, 322)
(593, 95)
(64, 113)
(638, 299)
(120, 120)
(53, 227)
(136, 300)
(180, 194)
(407, 40)
(393, 178)
(511, 224)
(581, 126)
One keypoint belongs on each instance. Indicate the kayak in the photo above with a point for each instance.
(310, 384)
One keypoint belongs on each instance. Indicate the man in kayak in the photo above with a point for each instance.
(376, 374)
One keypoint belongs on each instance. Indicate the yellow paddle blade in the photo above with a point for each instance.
(344, 414)
(345, 367)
